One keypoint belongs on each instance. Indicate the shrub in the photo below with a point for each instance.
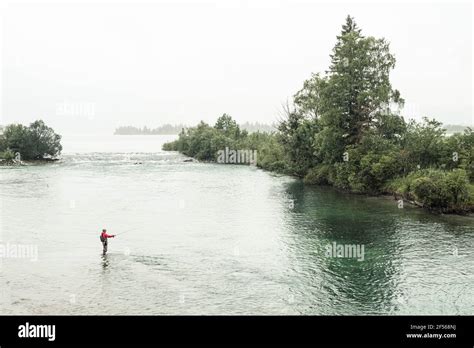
(427, 191)
(7, 155)
(270, 154)
(340, 176)
(457, 185)
(318, 175)
(446, 191)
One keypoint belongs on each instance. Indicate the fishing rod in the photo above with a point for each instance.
(133, 229)
(118, 234)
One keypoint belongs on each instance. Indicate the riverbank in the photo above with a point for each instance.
(443, 192)
(9, 162)
(401, 201)
(402, 195)
(376, 167)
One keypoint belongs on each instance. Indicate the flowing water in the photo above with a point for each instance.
(216, 239)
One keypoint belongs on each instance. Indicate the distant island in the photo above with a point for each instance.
(454, 128)
(168, 129)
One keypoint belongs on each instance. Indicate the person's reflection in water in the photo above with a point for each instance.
(105, 262)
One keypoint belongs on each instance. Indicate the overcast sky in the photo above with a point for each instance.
(94, 66)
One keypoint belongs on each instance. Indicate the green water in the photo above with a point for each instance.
(217, 239)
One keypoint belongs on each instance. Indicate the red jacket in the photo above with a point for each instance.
(105, 235)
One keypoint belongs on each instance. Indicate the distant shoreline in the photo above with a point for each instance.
(169, 129)
(148, 134)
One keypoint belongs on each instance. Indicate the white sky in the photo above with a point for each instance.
(93, 66)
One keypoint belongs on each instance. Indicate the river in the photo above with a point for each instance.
(204, 238)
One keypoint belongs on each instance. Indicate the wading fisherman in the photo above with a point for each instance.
(103, 238)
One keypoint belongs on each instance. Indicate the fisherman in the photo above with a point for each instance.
(103, 239)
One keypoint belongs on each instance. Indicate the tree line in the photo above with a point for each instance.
(344, 129)
(169, 129)
(166, 129)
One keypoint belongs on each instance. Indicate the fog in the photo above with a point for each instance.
(90, 67)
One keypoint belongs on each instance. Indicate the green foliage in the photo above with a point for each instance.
(270, 152)
(37, 141)
(329, 145)
(16, 138)
(228, 126)
(308, 99)
(442, 190)
(375, 170)
(342, 131)
(204, 142)
(368, 166)
(390, 126)
(336, 111)
(457, 185)
(342, 176)
(458, 152)
(296, 137)
(427, 190)
(470, 203)
(424, 143)
(445, 191)
(358, 86)
(319, 175)
(7, 155)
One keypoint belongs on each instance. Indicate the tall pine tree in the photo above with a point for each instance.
(358, 90)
